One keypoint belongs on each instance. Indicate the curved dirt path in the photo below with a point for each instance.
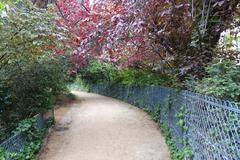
(101, 128)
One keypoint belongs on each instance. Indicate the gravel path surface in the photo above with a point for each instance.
(101, 128)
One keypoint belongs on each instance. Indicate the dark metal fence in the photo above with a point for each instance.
(16, 143)
(213, 125)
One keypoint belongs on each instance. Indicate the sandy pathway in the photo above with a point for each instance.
(102, 128)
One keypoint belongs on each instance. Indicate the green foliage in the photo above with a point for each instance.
(156, 114)
(30, 88)
(30, 76)
(223, 80)
(141, 77)
(97, 72)
(168, 102)
(5, 155)
(27, 33)
(50, 122)
(34, 140)
(2, 6)
(181, 119)
(79, 84)
(25, 125)
(176, 153)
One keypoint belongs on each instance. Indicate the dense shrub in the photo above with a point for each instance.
(98, 72)
(29, 88)
(34, 139)
(223, 80)
(144, 77)
(30, 76)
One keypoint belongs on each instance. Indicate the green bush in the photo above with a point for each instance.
(30, 76)
(143, 77)
(34, 140)
(176, 153)
(97, 72)
(223, 80)
(29, 88)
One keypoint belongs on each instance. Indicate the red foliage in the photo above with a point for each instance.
(128, 31)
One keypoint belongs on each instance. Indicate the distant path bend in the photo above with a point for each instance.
(101, 128)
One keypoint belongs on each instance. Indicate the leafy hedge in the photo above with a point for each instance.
(222, 80)
(99, 72)
(30, 74)
(34, 140)
(29, 90)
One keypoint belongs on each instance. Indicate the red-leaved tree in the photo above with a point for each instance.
(145, 33)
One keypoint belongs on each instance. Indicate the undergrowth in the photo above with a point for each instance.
(176, 153)
(98, 72)
(34, 140)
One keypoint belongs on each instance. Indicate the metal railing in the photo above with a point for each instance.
(16, 143)
(213, 125)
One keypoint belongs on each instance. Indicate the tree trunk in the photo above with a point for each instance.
(211, 19)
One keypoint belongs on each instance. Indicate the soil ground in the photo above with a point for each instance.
(95, 127)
